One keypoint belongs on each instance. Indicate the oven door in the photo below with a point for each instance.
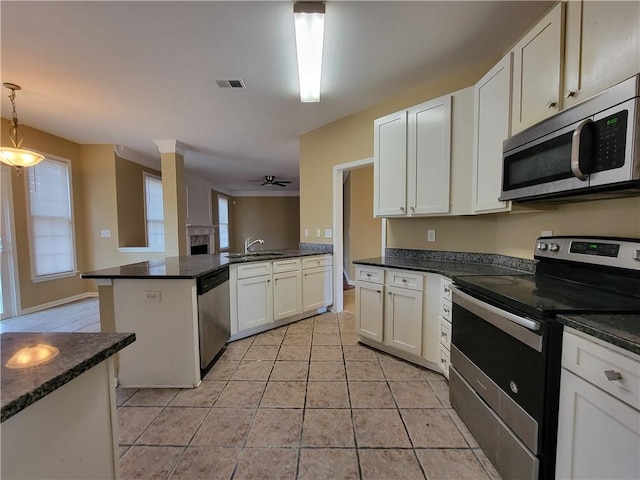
(497, 357)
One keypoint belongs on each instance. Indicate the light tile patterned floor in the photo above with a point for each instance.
(80, 316)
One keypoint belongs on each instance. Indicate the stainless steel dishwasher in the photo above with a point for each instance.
(214, 327)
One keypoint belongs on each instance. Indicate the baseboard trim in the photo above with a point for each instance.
(57, 303)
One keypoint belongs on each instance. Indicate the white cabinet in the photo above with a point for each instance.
(370, 310)
(492, 125)
(403, 319)
(598, 418)
(390, 165)
(254, 301)
(537, 71)
(287, 288)
(444, 322)
(602, 47)
(317, 282)
(412, 156)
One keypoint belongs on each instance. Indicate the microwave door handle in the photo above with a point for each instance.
(580, 149)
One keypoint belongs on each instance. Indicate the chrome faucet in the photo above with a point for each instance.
(248, 243)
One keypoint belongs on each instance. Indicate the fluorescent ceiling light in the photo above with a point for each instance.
(309, 25)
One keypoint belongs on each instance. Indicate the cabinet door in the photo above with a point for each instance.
(602, 47)
(287, 294)
(369, 310)
(536, 74)
(390, 165)
(255, 302)
(429, 156)
(598, 435)
(403, 319)
(317, 287)
(492, 125)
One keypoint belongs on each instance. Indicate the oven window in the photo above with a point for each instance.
(542, 163)
(502, 358)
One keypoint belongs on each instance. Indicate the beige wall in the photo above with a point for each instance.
(274, 219)
(350, 139)
(33, 294)
(365, 234)
(130, 202)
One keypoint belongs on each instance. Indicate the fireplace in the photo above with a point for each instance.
(200, 240)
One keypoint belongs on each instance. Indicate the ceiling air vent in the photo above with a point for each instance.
(230, 83)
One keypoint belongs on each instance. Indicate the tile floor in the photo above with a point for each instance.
(304, 401)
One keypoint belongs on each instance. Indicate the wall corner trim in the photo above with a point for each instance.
(171, 146)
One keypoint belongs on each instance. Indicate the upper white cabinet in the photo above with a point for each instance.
(492, 125)
(602, 46)
(412, 155)
(390, 165)
(429, 156)
(537, 71)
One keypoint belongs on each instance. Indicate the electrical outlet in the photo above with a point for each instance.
(105, 233)
(151, 296)
(327, 233)
(306, 232)
(318, 233)
(546, 233)
(431, 235)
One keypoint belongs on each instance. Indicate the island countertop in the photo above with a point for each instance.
(77, 353)
(191, 266)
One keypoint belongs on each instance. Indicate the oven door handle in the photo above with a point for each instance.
(518, 327)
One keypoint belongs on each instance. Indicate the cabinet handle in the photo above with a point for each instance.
(368, 275)
(389, 293)
(447, 290)
(402, 209)
(570, 94)
(378, 291)
(446, 310)
(413, 209)
(552, 104)
(613, 375)
(404, 280)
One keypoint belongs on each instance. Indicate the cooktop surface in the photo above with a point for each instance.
(543, 297)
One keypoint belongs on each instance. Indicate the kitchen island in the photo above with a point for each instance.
(58, 414)
(159, 301)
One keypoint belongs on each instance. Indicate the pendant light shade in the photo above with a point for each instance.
(16, 156)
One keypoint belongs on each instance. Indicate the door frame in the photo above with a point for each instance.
(8, 218)
(338, 206)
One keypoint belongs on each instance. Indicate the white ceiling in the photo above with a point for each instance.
(129, 73)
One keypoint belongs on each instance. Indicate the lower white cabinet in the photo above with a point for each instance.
(287, 294)
(255, 301)
(370, 308)
(598, 418)
(317, 283)
(403, 319)
(444, 321)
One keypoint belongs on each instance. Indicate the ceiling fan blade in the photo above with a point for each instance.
(263, 184)
(280, 184)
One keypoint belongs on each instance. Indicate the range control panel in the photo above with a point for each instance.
(611, 252)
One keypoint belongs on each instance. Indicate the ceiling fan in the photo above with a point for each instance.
(270, 181)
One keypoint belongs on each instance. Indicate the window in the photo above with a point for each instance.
(223, 222)
(50, 219)
(154, 213)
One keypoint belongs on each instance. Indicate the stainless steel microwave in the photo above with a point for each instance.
(588, 151)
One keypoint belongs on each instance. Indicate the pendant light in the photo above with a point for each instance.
(16, 156)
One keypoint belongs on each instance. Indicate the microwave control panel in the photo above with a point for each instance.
(611, 141)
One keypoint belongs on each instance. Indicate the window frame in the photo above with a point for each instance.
(146, 175)
(60, 275)
(220, 247)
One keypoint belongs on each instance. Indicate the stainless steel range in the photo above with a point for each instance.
(506, 344)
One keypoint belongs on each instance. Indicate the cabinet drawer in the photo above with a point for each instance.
(289, 265)
(254, 269)
(317, 261)
(445, 288)
(370, 274)
(445, 360)
(402, 279)
(445, 309)
(590, 358)
(445, 333)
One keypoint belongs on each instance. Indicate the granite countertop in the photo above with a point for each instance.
(443, 267)
(622, 330)
(190, 267)
(78, 352)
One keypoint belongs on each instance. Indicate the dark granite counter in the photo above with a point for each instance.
(190, 267)
(448, 268)
(78, 352)
(620, 330)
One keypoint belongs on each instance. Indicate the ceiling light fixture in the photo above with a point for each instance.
(309, 25)
(16, 156)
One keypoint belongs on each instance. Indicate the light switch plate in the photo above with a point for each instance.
(546, 233)
(431, 235)
(151, 296)
(306, 232)
(318, 233)
(327, 233)
(105, 233)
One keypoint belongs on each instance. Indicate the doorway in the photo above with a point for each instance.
(8, 299)
(361, 208)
